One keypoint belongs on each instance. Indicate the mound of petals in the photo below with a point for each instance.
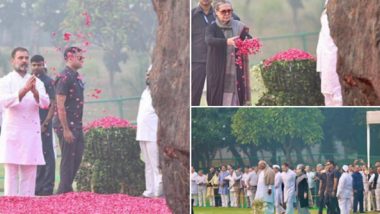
(289, 55)
(108, 122)
(83, 202)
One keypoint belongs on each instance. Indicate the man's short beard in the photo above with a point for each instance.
(21, 70)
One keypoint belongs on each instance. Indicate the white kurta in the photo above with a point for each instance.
(327, 61)
(278, 189)
(345, 186)
(262, 189)
(20, 141)
(289, 179)
(147, 120)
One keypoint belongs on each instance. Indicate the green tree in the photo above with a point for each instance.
(285, 128)
(211, 131)
(119, 27)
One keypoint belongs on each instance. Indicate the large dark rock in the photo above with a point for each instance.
(355, 28)
(170, 93)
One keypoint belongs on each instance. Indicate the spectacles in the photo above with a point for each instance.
(225, 12)
(80, 57)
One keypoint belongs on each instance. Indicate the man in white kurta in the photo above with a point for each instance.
(264, 188)
(278, 190)
(326, 64)
(21, 96)
(147, 123)
(289, 179)
(194, 187)
(201, 182)
(345, 192)
(252, 184)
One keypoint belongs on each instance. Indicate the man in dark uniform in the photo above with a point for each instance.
(332, 179)
(201, 17)
(45, 173)
(68, 122)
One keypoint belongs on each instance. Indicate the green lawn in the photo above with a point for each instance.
(201, 210)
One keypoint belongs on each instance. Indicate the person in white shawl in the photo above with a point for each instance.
(344, 192)
(327, 53)
(265, 187)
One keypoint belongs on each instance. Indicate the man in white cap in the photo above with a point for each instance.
(344, 192)
(278, 190)
(327, 53)
(289, 179)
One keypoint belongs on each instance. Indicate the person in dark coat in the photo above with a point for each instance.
(302, 189)
(202, 16)
(358, 187)
(227, 83)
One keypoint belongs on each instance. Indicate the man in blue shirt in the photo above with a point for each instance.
(358, 187)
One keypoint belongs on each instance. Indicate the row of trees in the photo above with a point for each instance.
(119, 28)
(291, 131)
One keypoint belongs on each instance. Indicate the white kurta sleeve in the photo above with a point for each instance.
(44, 100)
(8, 99)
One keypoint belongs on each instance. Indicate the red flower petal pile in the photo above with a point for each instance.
(108, 122)
(83, 203)
(289, 55)
(245, 48)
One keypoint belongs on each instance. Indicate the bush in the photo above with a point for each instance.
(111, 162)
(291, 79)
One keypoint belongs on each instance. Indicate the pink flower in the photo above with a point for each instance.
(66, 37)
(289, 55)
(245, 48)
(108, 122)
(87, 19)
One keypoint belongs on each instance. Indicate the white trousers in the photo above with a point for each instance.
(233, 199)
(195, 198)
(19, 180)
(153, 177)
(269, 208)
(225, 200)
(377, 194)
(333, 100)
(279, 209)
(289, 207)
(202, 196)
(345, 205)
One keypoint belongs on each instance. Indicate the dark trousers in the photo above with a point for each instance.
(198, 77)
(218, 199)
(321, 203)
(46, 173)
(71, 158)
(358, 200)
(332, 204)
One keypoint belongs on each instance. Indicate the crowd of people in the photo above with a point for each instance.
(353, 187)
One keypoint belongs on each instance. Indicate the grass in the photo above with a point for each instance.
(219, 210)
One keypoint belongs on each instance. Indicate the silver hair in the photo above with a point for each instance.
(301, 167)
(217, 3)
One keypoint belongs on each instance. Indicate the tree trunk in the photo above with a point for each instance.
(355, 28)
(236, 155)
(170, 93)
